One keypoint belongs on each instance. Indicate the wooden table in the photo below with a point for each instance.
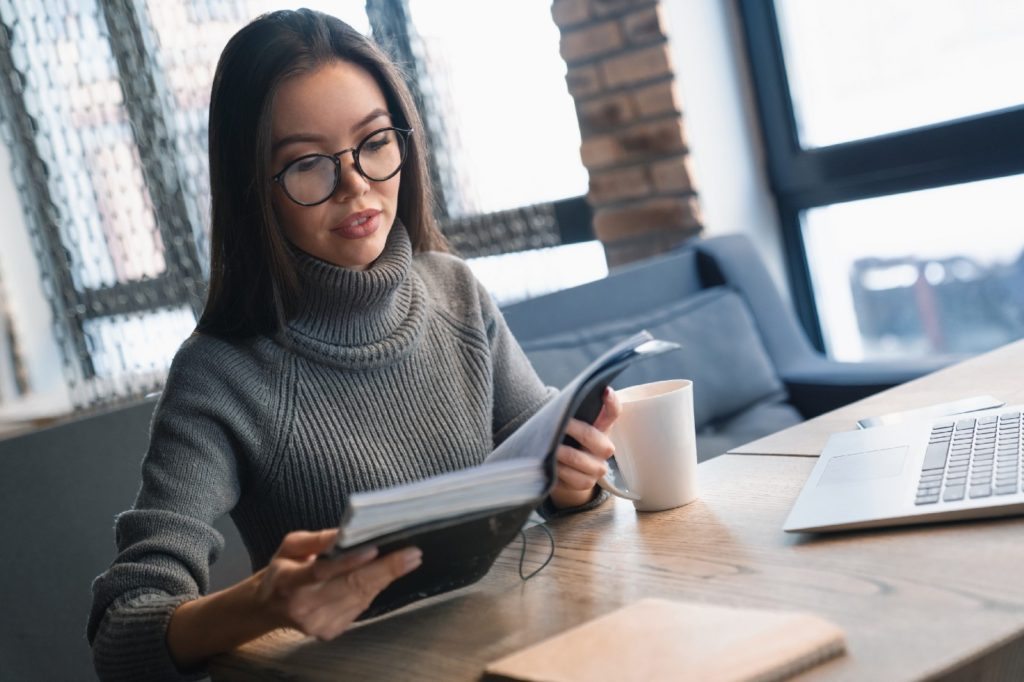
(942, 601)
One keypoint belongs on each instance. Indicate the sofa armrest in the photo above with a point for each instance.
(817, 385)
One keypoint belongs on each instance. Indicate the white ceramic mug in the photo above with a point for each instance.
(655, 441)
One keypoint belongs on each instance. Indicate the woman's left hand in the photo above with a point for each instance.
(580, 468)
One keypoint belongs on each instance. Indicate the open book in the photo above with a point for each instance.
(463, 519)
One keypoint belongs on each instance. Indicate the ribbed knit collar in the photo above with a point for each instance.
(359, 319)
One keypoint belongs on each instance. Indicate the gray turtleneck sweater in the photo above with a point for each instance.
(392, 374)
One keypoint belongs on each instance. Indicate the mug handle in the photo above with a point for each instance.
(615, 483)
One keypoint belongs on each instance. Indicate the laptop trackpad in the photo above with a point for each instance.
(864, 466)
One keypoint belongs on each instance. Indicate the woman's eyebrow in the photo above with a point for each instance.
(297, 137)
(376, 113)
(313, 137)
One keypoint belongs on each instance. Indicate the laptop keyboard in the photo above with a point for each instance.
(972, 458)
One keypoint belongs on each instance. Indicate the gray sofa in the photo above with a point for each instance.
(753, 369)
(60, 489)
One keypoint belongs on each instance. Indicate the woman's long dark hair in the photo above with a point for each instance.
(253, 282)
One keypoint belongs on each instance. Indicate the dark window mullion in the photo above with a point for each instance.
(782, 150)
(127, 298)
(390, 25)
(42, 215)
(798, 271)
(975, 148)
(978, 148)
(140, 79)
(575, 220)
(771, 88)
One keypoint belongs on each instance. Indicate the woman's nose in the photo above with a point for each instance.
(351, 182)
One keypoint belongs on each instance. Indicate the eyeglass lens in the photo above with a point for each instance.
(313, 179)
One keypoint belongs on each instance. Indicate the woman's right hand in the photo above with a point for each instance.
(322, 597)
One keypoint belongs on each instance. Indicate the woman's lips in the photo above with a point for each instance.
(358, 225)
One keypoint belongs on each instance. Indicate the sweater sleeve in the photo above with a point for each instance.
(166, 542)
(518, 391)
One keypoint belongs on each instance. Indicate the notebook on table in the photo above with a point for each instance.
(937, 469)
(657, 639)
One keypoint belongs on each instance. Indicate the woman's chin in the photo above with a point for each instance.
(354, 254)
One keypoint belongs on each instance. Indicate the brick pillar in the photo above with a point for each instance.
(630, 116)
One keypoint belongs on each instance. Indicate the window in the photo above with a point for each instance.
(513, 277)
(892, 132)
(897, 275)
(94, 198)
(119, 225)
(509, 144)
(189, 37)
(510, 123)
(862, 69)
(106, 122)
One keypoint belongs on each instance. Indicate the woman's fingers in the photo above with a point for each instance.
(326, 569)
(572, 480)
(571, 459)
(295, 563)
(580, 468)
(367, 581)
(591, 439)
(610, 411)
(339, 601)
(320, 596)
(303, 543)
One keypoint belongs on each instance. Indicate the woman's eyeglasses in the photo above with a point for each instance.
(312, 179)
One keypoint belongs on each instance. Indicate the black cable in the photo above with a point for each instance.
(522, 555)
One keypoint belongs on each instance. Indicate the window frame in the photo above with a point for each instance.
(183, 281)
(389, 22)
(974, 148)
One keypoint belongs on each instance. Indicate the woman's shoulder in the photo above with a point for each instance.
(442, 264)
(448, 277)
(211, 359)
(222, 379)
(455, 291)
(204, 349)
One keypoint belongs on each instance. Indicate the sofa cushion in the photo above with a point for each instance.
(758, 421)
(722, 352)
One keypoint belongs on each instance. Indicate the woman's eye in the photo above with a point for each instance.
(306, 165)
(377, 143)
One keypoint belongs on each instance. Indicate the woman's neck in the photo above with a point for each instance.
(347, 313)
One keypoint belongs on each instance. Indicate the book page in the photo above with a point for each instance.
(517, 471)
(539, 435)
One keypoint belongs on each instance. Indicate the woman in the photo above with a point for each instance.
(340, 350)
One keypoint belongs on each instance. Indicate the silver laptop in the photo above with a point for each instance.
(939, 469)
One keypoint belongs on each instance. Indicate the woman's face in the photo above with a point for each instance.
(323, 112)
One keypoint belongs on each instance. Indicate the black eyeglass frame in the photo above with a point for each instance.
(404, 133)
